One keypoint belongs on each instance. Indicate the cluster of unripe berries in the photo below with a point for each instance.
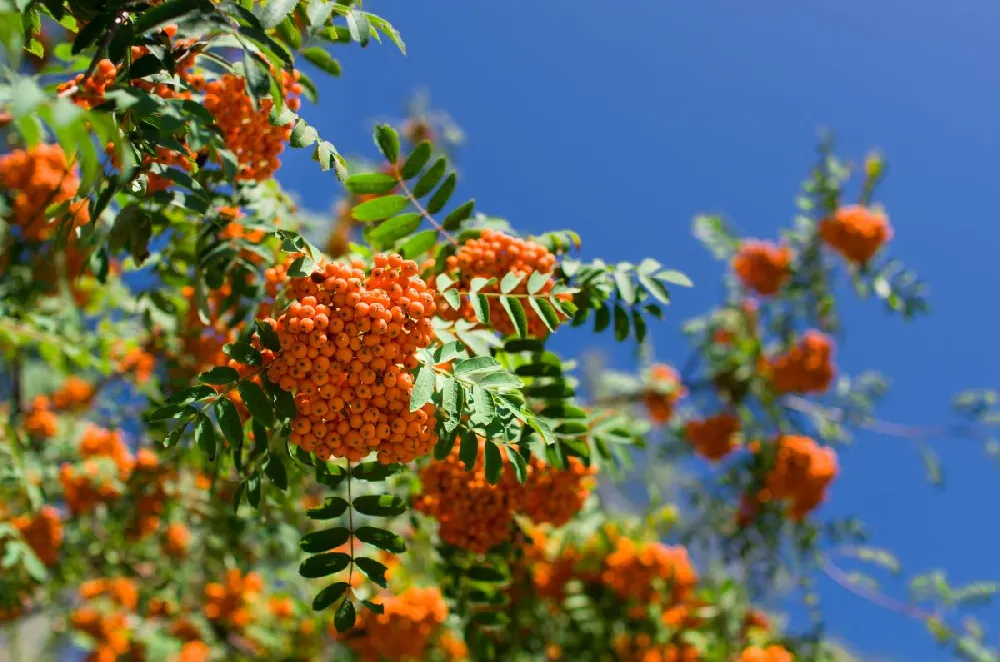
(761, 266)
(477, 516)
(807, 367)
(348, 342)
(493, 255)
(247, 131)
(36, 178)
(856, 232)
(801, 473)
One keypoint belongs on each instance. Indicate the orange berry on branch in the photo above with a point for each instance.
(856, 232)
(762, 266)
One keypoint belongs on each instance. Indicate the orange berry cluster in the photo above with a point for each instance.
(805, 368)
(194, 651)
(550, 573)
(641, 648)
(801, 473)
(36, 178)
(856, 232)
(230, 602)
(90, 92)
(76, 393)
(472, 514)
(633, 570)
(477, 516)
(761, 266)
(42, 532)
(554, 496)
(714, 437)
(768, 654)
(135, 361)
(403, 631)
(109, 626)
(494, 255)
(150, 493)
(248, 133)
(85, 489)
(176, 540)
(41, 422)
(347, 343)
(665, 392)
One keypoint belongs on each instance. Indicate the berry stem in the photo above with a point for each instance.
(834, 572)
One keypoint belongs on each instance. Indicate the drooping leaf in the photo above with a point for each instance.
(257, 402)
(423, 388)
(204, 436)
(325, 540)
(382, 539)
(329, 595)
(324, 565)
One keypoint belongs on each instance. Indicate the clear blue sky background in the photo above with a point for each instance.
(623, 120)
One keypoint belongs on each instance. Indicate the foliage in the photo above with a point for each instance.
(222, 440)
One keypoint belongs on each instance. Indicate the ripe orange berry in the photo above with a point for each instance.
(768, 654)
(43, 532)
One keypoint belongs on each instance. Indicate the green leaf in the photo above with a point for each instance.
(161, 15)
(275, 470)
(388, 142)
(257, 402)
(243, 353)
(481, 308)
(229, 420)
(145, 66)
(375, 471)
(485, 573)
(537, 281)
(674, 278)
(516, 313)
(621, 323)
(324, 565)
(219, 375)
(493, 463)
(332, 508)
(380, 208)
(499, 380)
(510, 281)
(275, 11)
(170, 411)
(416, 161)
(373, 570)
(423, 388)
(382, 539)
(370, 183)
(546, 312)
(443, 194)
(253, 490)
(483, 409)
(520, 466)
(204, 436)
(655, 288)
(325, 540)
(303, 135)
(258, 81)
(430, 178)
(360, 28)
(379, 505)
(329, 595)
(191, 394)
(623, 282)
(344, 619)
(639, 324)
(396, 228)
(322, 60)
(90, 32)
(268, 336)
(386, 28)
(476, 364)
(175, 434)
(453, 220)
(331, 479)
(419, 244)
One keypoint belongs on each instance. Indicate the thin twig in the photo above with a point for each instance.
(423, 212)
(834, 572)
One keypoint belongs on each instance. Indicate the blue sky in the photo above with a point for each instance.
(623, 120)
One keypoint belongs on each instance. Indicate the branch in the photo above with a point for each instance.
(834, 572)
(423, 212)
